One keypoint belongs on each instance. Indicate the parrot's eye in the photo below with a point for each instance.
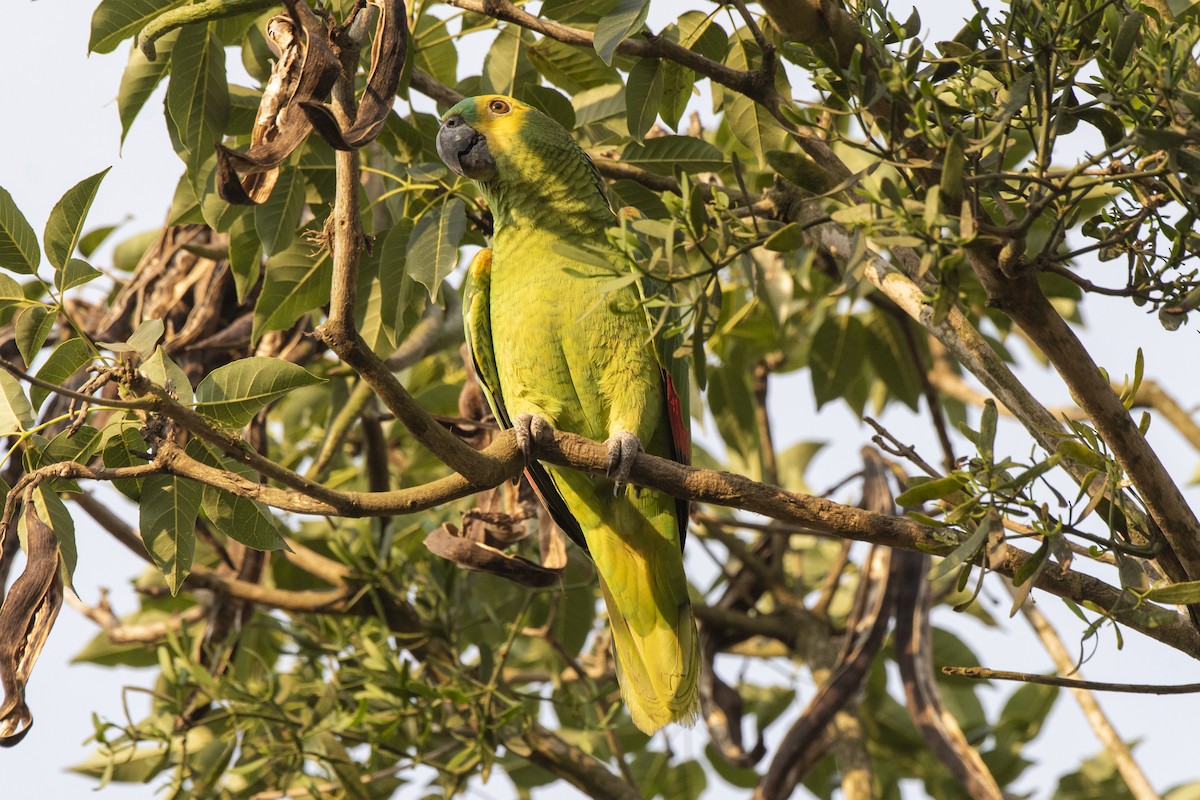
(498, 107)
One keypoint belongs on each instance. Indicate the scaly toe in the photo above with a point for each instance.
(622, 450)
(531, 430)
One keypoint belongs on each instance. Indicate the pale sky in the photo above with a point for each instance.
(61, 125)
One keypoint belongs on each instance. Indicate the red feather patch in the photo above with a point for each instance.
(679, 425)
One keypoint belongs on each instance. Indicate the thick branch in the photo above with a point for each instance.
(1023, 301)
(748, 82)
(581, 770)
(966, 344)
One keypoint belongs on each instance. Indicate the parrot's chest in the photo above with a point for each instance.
(563, 345)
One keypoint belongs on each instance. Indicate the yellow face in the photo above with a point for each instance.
(498, 118)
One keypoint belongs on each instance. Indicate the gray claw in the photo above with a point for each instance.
(622, 450)
(531, 431)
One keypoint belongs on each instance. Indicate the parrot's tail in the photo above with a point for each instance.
(654, 634)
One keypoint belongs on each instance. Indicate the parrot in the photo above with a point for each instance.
(556, 346)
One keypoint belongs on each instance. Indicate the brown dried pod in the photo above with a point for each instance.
(448, 543)
(26, 617)
(305, 72)
(387, 62)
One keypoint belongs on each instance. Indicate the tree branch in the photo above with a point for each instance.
(748, 82)
(548, 751)
(345, 239)
(1023, 301)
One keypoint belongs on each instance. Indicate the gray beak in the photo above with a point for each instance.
(465, 150)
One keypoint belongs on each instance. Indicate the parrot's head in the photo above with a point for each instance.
(479, 130)
(522, 159)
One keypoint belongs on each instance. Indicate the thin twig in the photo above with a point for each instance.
(985, 674)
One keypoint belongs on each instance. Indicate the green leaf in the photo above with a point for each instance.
(16, 414)
(32, 326)
(433, 50)
(77, 272)
(240, 518)
(603, 104)
(553, 103)
(836, 356)
(753, 126)
(70, 445)
(160, 370)
(243, 520)
(129, 252)
(63, 362)
(987, 429)
(678, 86)
(185, 204)
(296, 281)
(749, 121)
(888, 352)
(731, 401)
(215, 211)
(54, 513)
(116, 20)
(566, 10)
(11, 293)
(927, 490)
(169, 508)
(234, 393)
(623, 21)
(125, 447)
(19, 250)
(245, 255)
(373, 307)
(140, 78)
(433, 249)
(800, 170)
(143, 340)
(65, 225)
(572, 69)
(506, 69)
(90, 242)
(1126, 38)
(275, 220)
(197, 95)
(643, 94)
(394, 281)
(786, 239)
(664, 153)
(1185, 593)
(965, 551)
(1081, 453)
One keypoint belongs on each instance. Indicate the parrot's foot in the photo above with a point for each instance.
(622, 450)
(531, 431)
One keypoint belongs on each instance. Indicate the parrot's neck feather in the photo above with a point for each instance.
(549, 186)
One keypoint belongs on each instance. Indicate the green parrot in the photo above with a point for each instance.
(556, 347)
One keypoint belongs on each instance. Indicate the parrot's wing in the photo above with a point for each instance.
(477, 318)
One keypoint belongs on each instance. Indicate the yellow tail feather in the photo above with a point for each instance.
(658, 669)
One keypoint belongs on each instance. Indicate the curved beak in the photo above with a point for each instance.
(465, 150)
